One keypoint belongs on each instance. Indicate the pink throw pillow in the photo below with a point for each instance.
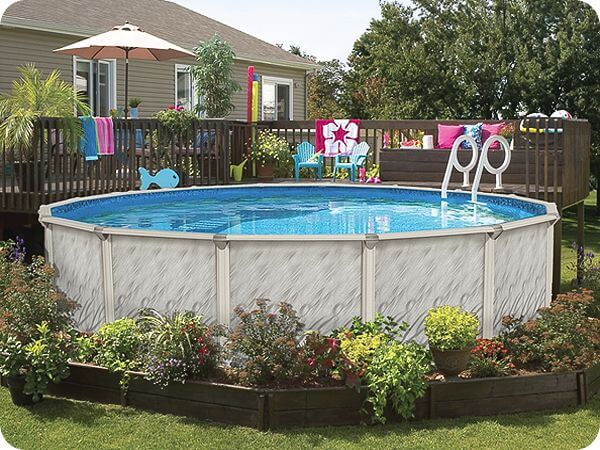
(491, 130)
(447, 134)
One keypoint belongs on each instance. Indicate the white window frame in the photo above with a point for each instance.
(112, 101)
(183, 68)
(277, 80)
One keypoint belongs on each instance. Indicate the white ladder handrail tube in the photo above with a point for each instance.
(485, 163)
(454, 163)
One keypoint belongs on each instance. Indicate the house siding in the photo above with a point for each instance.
(151, 81)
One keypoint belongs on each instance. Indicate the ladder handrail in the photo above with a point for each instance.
(484, 162)
(454, 163)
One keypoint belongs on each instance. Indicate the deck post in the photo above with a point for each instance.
(580, 235)
(557, 254)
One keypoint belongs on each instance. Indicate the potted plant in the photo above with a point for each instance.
(36, 332)
(451, 333)
(31, 98)
(133, 104)
(268, 151)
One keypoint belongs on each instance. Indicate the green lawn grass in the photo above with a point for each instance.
(592, 238)
(61, 424)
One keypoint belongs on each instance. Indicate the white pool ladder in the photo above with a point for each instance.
(484, 162)
(453, 163)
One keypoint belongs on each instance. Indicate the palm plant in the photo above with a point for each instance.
(33, 97)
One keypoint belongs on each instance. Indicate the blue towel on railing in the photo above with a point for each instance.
(204, 138)
(89, 141)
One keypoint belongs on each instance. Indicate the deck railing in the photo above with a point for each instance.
(551, 166)
(49, 171)
(548, 166)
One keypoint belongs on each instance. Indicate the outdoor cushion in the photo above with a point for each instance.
(447, 134)
(475, 132)
(491, 130)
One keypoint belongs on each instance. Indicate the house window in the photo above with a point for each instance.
(185, 94)
(96, 81)
(277, 98)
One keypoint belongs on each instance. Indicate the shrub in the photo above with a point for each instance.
(264, 347)
(44, 359)
(450, 328)
(589, 268)
(269, 149)
(177, 347)
(35, 321)
(118, 348)
(397, 375)
(320, 355)
(490, 358)
(563, 337)
(371, 354)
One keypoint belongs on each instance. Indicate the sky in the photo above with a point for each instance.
(326, 29)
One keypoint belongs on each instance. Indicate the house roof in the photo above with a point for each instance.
(162, 18)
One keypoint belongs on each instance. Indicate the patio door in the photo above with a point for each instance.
(96, 82)
(277, 98)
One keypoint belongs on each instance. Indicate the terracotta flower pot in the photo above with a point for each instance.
(16, 385)
(265, 172)
(451, 362)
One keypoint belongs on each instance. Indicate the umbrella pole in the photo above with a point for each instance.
(126, 82)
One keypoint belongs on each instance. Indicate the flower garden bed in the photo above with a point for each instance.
(271, 409)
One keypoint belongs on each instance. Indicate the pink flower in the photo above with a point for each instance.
(171, 107)
(310, 362)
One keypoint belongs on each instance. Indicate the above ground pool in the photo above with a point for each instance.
(296, 210)
(333, 251)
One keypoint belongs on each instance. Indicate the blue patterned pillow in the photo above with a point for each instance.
(475, 132)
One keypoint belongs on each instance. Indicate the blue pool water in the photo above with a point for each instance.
(296, 210)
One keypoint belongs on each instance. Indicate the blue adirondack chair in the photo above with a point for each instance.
(357, 159)
(306, 158)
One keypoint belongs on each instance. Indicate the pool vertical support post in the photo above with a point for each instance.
(489, 282)
(108, 286)
(222, 288)
(550, 261)
(368, 277)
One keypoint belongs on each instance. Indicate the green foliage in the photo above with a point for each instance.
(33, 97)
(270, 149)
(589, 269)
(134, 102)
(450, 328)
(35, 321)
(264, 346)
(177, 347)
(371, 353)
(118, 347)
(397, 375)
(490, 358)
(563, 337)
(324, 87)
(213, 77)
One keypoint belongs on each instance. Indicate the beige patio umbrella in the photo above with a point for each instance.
(125, 42)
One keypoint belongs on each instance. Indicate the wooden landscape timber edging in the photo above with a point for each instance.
(271, 409)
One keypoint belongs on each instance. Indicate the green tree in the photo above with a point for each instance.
(323, 87)
(33, 97)
(213, 77)
(478, 58)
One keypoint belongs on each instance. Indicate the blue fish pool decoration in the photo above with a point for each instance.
(164, 178)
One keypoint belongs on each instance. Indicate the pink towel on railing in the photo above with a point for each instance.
(106, 136)
(336, 137)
